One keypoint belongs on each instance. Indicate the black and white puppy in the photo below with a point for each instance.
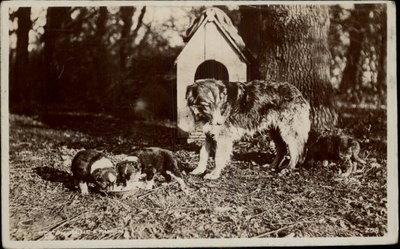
(91, 166)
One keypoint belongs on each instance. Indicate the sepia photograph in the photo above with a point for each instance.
(198, 123)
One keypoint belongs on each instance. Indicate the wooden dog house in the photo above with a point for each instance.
(213, 49)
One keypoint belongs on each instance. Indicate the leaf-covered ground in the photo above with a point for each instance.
(249, 200)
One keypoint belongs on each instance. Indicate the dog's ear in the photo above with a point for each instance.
(189, 91)
(240, 91)
(235, 91)
(222, 90)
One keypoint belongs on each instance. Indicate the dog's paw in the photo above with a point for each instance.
(84, 192)
(284, 171)
(149, 185)
(197, 171)
(84, 188)
(212, 176)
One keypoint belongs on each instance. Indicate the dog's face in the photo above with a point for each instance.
(207, 100)
(105, 178)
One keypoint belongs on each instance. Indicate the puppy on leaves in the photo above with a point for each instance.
(336, 147)
(91, 166)
(151, 161)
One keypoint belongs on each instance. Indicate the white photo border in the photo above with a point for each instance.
(392, 142)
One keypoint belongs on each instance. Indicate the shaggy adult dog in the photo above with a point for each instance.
(228, 110)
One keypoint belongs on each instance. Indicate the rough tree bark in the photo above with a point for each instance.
(20, 86)
(290, 43)
(55, 18)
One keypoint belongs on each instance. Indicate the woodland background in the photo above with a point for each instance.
(121, 60)
(104, 78)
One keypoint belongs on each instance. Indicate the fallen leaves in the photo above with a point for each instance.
(249, 199)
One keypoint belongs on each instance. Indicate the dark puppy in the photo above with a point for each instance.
(336, 147)
(127, 170)
(91, 166)
(154, 160)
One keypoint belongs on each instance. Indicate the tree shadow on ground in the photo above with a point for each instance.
(258, 157)
(368, 125)
(115, 134)
(123, 136)
(55, 175)
(362, 121)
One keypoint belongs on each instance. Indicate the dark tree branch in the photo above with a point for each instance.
(126, 38)
(139, 23)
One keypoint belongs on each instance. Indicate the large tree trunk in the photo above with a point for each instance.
(290, 43)
(20, 90)
(55, 18)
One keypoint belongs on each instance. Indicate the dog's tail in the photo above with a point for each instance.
(356, 152)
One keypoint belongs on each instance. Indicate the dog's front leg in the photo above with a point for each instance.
(223, 152)
(204, 155)
(83, 187)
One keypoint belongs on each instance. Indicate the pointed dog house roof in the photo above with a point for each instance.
(224, 24)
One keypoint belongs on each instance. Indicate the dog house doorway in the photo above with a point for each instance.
(211, 69)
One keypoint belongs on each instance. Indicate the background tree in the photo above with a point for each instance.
(126, 39)
(21, 82)
(115, 60)
(357, 26)
(56, 18)
(365, 73)
(290, 43)
(102, 71)
(382, 42)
